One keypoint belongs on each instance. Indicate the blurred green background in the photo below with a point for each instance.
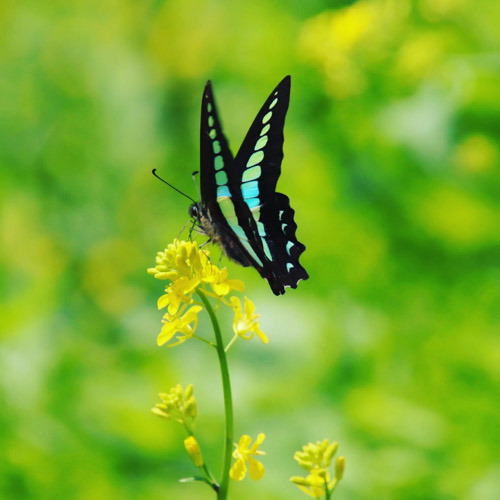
(391, 163)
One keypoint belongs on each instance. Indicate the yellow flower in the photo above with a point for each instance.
(245, 453)
(246, 325)
(190, 271)
(314, 484)
(220, 284)
(187, 267)
(185, 325)
(178, 292)
(184, 262)
(177, 405)
(193, 449)
(316, 455)
(181, 259)
(316, 458)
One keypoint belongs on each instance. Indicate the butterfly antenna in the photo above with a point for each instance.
(173, 187)
(196, 186)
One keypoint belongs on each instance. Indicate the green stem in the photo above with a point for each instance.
(228, 403)
(328, 493)
(335, 483)
(204, 340)
(209, 478)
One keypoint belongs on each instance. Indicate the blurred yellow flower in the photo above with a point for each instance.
(316, 458)
(177, 405)
(314, 484)
(348, 26)
(245, 453)
(246, 324)
(185, 325)
(339, 468)
(476, 153)
(344, 43)
(421, 55)
(316, 455)
(193, 450)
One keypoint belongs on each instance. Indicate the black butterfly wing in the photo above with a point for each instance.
(257, 167)
(215, 155)
(229, 219)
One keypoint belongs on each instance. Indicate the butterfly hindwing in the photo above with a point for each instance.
(277, 219)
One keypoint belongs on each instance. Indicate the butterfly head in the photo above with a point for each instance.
(195, 211)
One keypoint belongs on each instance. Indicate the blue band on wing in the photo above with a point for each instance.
(250, 189)
(223, 191)
(252, 202)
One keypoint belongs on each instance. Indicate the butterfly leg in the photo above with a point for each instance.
(205, 243)
(182, 229)
(191, 229)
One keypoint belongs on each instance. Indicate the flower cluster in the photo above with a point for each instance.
(190, 271)
(316, 458)
(178, 405)
(186, 266)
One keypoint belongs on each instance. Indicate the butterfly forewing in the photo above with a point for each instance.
(258, 162)
(216, 157)
(217, 178)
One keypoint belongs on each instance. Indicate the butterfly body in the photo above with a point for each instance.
(240, 209)
(224, 239)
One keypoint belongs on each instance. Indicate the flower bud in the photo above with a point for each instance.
(339, 468)
(330, 452)
(190, 409)
(160, 412)
(193, 450)
(302, 481)
(188, 392)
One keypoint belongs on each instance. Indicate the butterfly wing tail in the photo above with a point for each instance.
(286, 270)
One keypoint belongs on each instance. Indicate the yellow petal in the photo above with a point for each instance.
(173, 306)
(258, 442)
(237, 285)
(244, 442)
(221, 288)
(235, 304)
(238, 470)
(249, 308)
(191, 315)
(167, 332)
(256, 469)
(163, 301)
(262, 336)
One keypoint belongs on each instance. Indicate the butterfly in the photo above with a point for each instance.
(240, 209)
